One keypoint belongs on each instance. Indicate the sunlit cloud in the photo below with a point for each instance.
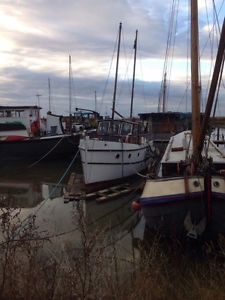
(38, 36)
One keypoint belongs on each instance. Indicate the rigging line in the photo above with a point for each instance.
(217, 20)
(214, 23)
(218, 88)
(173, 46)
(170, 41)
(217, 13)
(210, 41)
(36, 162)
(188, 84)
(110, 68)
(128, 61)
(24, 222)
(142, 74)
(166, 54)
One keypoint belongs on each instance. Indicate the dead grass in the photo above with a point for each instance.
(96, 271)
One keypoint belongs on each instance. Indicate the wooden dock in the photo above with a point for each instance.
(75, 190)
(110, 193)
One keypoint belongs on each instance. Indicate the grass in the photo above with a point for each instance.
(97, 271)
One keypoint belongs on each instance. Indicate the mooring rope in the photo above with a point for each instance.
(36, 162)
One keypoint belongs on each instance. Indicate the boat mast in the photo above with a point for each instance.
(70, 95)
(134, 70)
(95, 101)
(195, 87)
(164, 94)
(116, 75)
(49, 95)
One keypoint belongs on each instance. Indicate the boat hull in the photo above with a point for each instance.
(180, 206)
(104, 161)
(50, 147)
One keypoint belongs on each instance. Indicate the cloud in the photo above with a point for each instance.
(38, 36)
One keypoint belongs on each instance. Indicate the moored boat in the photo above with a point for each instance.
(22, 137)
(120, 149)
(188, 197)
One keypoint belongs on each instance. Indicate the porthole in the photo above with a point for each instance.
(117, 155)
(216, 183)
(196, 183)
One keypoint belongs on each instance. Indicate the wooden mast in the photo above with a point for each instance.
(195, 88)
(116, 75)
(134, 69)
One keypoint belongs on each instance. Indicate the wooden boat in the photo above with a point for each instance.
(188, 197)
(121, 148)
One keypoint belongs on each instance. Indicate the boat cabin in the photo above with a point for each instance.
(164, 125)
(128, 131)
(29, 116)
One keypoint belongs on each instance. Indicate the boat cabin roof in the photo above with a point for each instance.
(180, 149)
(19, 107)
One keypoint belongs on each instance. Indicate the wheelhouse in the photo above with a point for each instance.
(123, 129)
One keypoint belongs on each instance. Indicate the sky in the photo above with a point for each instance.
(38, 36)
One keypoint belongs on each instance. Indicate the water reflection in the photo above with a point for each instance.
(36, 192)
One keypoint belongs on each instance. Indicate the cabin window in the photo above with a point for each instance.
(126, 128)
(103, 127)
(114, 127)
(8, 113)
(53, 130)
(135, 129)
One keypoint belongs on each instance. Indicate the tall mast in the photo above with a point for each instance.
(116, 75)
(134, 69)
(70, 95)
(49, 95)
(164, 94)
(95, 101)
(195, 88)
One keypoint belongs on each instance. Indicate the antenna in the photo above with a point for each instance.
(38, 99)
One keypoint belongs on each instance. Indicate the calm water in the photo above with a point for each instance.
(38, 190)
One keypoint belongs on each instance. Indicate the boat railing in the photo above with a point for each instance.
(128, 138)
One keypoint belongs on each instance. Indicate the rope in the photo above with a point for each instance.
(110, 67)
(30, 166)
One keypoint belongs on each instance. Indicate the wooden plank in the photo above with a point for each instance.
(113, 195)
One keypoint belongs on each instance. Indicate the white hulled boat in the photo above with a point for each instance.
(121, 147)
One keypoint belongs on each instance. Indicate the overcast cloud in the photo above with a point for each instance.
(37, 37)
